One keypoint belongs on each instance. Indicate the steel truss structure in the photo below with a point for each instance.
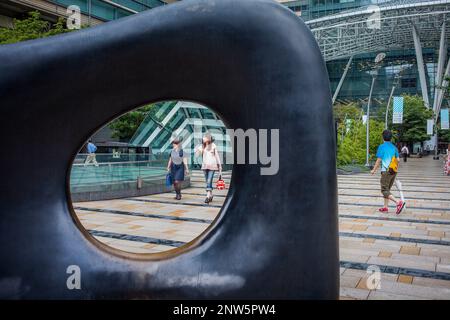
(384, 27)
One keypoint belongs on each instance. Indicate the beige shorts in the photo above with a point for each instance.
(386, 182)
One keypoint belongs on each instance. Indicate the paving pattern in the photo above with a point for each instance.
(411, 250)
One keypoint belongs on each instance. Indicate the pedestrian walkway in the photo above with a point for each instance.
(411, 250)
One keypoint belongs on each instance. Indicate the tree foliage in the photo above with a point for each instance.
(123, 128)
(346, 111)
(30, 28)
(352, 148)
(414, 126)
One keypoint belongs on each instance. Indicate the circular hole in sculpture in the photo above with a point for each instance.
(152, 180)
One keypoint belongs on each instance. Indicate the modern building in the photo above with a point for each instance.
(363, 28)
(93, 11)
(186, 120)
(412, 33)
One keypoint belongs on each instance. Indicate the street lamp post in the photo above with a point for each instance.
(367, 119)
(387, 107)
(378, 59)
(396, 83)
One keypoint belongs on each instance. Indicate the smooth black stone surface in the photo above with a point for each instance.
(256, 65)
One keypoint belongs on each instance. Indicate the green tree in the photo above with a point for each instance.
(414, 126)
(123, 128)
(352, 149)
(444, 135)
(30, 28)
(346, 111)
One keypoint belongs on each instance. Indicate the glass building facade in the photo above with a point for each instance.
(312, 9)
(399, 68)
(186, 120)
(111, 10)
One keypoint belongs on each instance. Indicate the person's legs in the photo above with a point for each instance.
(177, 187)
(94, 160)
(400, 203)
(387, 181)
(206, 174)
(393, 199)
(210, 183)
(209, 174)
(88, 159)
(385, 190)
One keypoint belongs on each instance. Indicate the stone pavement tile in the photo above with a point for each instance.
(405, 279)
(427, 282)
(349, 281)
(359, 227)
(382, 295)
(131, 249)
(363, 251)
(376, 224)
(403, 263)
(430, 259)
(353, 243)
(400, 243)
(134, 227)
(162, 248)
(90, 225)
(443, 268)
(360, 294)
(415, 290)
(412, 250)
(385, 254)
(103, 239)
(354, 273)
(389, 246)
(345, 226)
(354, 258)
(127, 243)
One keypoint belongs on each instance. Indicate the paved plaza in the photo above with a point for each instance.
(412, 250)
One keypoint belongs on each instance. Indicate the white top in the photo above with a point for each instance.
(405, 150)
(210, 157)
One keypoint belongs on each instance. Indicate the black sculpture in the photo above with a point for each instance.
(256, 65)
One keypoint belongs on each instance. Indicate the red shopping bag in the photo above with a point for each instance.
(220, 184)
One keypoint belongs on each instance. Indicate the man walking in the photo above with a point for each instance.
(388, 158)
(91, 148)
(405, 153)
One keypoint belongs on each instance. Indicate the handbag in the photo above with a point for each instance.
(169, 181)
(220, 184)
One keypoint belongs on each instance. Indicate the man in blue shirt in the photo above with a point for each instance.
(91, 148)
(385, 154)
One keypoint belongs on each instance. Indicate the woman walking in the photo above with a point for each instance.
(210, 163)
(177, 166)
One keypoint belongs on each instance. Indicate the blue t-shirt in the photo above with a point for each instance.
(91, 148)
(385, 152)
